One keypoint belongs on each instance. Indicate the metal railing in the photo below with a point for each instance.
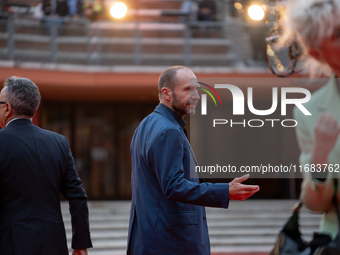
(56, 34)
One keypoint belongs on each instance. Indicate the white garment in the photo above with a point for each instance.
(191, 7)
(38, 12)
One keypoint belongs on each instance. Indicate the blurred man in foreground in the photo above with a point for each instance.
(316, 26)
(35, 166)
(167, 211)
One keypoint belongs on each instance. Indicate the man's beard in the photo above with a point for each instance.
(181, 108)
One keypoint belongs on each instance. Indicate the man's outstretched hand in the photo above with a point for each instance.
(239, 191)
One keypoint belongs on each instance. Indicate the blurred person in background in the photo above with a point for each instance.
(207, 10)
(54, 10)
(36, 165)
(38, 12)
(4, 9)
(316, 26)
(63, 8)
(75, 8)
(55, 7)
(190, 7)
(93, 9)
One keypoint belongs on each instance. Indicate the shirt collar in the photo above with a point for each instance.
(178, 118)
(16, 119)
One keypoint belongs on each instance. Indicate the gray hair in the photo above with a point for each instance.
(309, 22)
(22, 94)
(168, 78)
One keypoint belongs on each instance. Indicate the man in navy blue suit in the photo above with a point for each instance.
(167, 211)
(35, 166)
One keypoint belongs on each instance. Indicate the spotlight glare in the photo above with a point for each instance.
(256, 12)
(118, 10)
(238, 5)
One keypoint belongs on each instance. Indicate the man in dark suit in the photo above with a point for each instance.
(35, 166)
(167, 211)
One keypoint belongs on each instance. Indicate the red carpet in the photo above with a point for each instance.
(240, 254)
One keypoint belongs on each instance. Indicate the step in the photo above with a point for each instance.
(246, 227)
(118, 40)
(116, 58)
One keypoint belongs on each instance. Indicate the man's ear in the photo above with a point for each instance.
(166, 93)
(317, 54)
(9, 110)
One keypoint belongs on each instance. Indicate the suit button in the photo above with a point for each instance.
(204, 218)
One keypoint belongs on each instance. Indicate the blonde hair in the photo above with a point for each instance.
(309, 22)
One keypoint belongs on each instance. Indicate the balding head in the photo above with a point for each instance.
(168, 78)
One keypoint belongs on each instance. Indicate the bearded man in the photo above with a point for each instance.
(168, 204)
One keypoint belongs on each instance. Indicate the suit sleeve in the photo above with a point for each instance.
(165, 156)
(72, 190)
(316, 195)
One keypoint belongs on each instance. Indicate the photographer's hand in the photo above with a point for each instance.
(326, 134)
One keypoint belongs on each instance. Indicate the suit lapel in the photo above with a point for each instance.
(193, 161)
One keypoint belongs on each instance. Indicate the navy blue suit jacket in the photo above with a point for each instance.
(35, 166)
(167, 211)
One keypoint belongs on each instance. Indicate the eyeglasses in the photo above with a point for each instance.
(3, 102)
